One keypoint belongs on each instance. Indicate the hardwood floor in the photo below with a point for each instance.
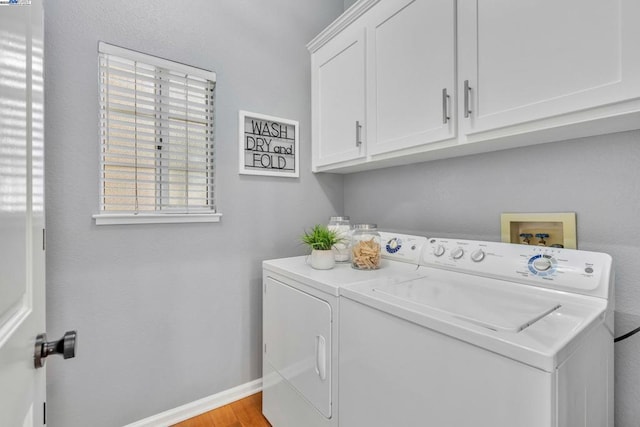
(246, 412)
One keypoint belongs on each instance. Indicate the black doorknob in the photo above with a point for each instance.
(65, 346)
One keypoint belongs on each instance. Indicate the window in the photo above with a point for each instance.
(156, 139)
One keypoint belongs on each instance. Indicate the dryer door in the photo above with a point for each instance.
(297, 337)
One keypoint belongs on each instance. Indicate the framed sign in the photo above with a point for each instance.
(268, 145)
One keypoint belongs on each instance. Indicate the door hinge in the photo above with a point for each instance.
(44, 413)
(44, 239)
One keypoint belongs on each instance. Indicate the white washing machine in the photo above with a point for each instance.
(300, 331)
(491, 335)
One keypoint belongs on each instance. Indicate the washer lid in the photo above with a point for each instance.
(532, 325)
(472, 301)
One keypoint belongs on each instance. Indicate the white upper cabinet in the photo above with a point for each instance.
(338, 93)
(527, 61)
(444, 78)
(411, 74)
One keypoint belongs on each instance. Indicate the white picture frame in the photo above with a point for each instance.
(268, 145)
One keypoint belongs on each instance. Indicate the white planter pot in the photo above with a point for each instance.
(322, 260)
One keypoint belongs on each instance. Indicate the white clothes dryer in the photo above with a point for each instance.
(300, 330)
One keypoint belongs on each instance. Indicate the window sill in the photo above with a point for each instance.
(117, 219)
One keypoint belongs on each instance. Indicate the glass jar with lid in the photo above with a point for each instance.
(342, 226)
(365, 247)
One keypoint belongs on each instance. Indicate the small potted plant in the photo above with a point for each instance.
(321, 241)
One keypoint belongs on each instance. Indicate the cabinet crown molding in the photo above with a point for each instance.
(344, 20)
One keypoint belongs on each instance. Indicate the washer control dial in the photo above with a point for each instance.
(438, 250)
(542, 265)
(477, 256)
(457, 253)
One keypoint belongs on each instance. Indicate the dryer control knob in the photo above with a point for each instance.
(477, 256)
(457, 253)
(438, 250)
(542, 264)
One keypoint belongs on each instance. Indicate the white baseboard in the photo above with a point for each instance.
(190, 410)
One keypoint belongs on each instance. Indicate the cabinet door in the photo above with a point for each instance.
(338, 76)
(411, 58)
(531, 60)
(297, 339)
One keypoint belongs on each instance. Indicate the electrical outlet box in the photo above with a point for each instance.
(560, 228)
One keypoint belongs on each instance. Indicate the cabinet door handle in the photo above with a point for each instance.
(321, 357)
(467, 91)
(445, 106)
(358, 132)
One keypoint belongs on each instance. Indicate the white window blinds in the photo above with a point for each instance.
(156, 134)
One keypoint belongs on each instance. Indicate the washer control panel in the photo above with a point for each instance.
(558, 268)
(401, 247)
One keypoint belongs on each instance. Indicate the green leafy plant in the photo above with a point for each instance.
(320, 238)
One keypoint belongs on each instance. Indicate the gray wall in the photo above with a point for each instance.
(167, 314)
(348, 3)
(598, 178)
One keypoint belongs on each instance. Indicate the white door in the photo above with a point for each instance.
(411, 55)
(525, 61)
(338, 96)
(22, 290)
